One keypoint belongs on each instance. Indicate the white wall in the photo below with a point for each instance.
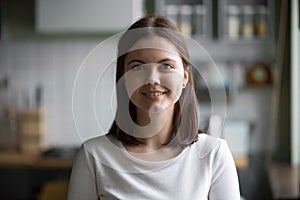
(54, 65)
(295, 49)
(89, 16)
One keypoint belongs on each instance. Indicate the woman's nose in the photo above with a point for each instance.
(152, 76)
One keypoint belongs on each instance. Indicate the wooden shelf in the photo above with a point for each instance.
(15, 159)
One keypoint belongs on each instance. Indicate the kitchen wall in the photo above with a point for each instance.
(53, 65)
(29, 59)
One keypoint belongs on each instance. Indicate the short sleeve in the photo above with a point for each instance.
(225, 184)
(82, 182)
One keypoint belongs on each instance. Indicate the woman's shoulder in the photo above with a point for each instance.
(209, 145)
(100, 143)
(95, 140)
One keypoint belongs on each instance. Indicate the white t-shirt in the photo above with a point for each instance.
(203, 170)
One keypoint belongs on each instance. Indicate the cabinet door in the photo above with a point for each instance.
(246, 20)
(193, 17)
(89, 16)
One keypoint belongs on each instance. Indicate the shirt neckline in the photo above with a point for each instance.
(145, 162)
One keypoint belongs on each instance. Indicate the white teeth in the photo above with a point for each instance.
(154, 94)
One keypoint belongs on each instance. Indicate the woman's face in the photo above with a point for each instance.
(154, 74)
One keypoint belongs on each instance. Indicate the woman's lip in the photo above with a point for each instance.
(153, 94)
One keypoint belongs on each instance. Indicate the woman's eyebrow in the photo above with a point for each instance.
(160, 61)
(166, 59)
(135, 60)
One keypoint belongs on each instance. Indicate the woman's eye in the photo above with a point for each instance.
(137, 67)
(167, 66)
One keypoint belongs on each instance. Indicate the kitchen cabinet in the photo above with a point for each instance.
(234, 20)
(29, 174)
(85, 17)
(26, 183)
(248, 20)
(193, 17)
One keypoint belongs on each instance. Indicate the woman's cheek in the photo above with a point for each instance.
(133, 81)
(174, 82)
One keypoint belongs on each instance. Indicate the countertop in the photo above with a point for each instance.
(15, 159)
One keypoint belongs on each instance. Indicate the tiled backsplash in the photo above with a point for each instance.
(53, 65)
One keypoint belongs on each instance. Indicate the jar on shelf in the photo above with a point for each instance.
(186, 19)
(199, 20)
(233, 18)
(172, 13)
(261, 18)
(248, 21)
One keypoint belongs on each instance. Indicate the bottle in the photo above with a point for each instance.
(185, 19)
(172, 13)
(248, 22)
(261, 27)
(199, 20)
(233, 16)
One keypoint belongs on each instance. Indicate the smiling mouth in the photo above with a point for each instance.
(153, 94)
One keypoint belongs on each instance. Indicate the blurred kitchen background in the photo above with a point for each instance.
(43, 43)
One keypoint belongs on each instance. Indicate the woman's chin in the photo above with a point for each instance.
(156, 109)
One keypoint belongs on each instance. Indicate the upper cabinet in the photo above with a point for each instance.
(230, 20)
(192, 16)
(89, 16)
(247, 20)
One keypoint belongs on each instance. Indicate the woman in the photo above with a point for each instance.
(153, 149)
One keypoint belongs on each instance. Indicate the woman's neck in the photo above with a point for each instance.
(153, 148)
(159, 127)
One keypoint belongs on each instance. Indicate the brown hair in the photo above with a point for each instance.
(184, 130)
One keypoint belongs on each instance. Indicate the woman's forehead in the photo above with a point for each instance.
(154, 42)
(152, 55)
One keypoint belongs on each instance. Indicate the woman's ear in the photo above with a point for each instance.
(185, 78)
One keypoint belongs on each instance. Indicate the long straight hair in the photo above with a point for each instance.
(185, 121)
